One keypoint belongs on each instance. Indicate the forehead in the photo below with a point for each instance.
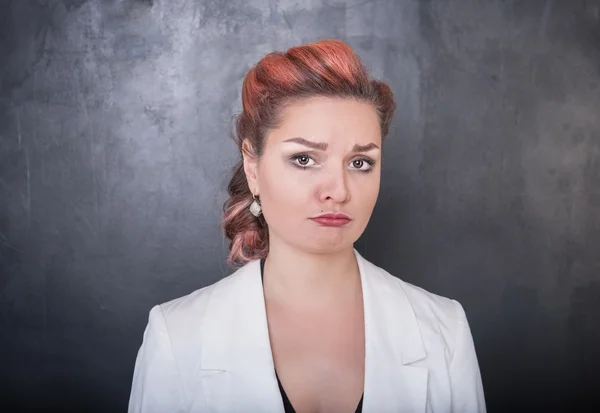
(329, 120)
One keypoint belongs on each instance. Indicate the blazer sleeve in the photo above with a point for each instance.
(465, 377)
(157, 385)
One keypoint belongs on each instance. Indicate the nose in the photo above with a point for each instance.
(335, 186)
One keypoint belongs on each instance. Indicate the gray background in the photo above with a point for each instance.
(114, 158)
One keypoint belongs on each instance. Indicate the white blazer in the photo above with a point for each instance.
(209, 351)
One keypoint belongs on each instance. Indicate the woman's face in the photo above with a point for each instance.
(325, 157)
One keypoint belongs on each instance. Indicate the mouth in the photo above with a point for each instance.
(332, 219)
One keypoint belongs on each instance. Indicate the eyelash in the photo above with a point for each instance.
(294, 158)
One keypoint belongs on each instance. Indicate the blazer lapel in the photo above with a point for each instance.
(392, 342)
(236, 345)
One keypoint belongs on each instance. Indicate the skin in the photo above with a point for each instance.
(312, 285)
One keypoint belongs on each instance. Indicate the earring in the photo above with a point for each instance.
(255, 208)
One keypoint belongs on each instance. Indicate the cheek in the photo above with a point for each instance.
(282, 188)
(367, 194)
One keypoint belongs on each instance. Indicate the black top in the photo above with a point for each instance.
(286, 402)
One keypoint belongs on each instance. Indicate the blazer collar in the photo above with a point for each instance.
(235, 341)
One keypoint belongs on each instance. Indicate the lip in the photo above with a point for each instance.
(332, 219)
(333, 215)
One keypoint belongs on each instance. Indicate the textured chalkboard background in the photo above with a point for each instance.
(114, 157)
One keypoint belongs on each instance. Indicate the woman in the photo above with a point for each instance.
(307, 324)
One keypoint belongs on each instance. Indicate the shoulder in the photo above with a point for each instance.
(435, 314)
(188, 320)
(421, 300)
(438, 317)
(427, 304)
(190, 309)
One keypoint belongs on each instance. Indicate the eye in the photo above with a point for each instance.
(302, 160)
(358, 163)
(363, 164)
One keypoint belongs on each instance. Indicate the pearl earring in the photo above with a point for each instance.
(255, 208)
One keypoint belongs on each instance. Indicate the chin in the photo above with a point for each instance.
(322, 246)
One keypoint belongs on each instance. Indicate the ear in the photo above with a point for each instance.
(250, 166)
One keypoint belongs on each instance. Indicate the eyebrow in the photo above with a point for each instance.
(321, 146)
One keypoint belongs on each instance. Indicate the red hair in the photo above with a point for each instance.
(327, 68)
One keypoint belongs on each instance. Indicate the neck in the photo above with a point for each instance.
(305, 280)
